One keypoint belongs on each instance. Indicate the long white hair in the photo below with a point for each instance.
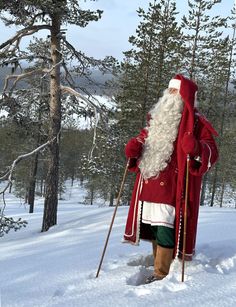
(162, 132)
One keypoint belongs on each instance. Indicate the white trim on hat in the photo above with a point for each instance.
(174, 83)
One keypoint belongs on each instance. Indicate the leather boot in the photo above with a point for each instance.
(154, 249)
(162, 261)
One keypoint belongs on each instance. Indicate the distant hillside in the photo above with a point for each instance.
(96, 87)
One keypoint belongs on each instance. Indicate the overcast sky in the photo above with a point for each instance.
(109, 36)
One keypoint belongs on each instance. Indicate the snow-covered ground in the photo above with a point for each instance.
(58, 268)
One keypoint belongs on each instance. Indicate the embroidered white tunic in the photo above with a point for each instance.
(158, 214)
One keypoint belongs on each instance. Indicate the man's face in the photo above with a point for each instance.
(173, 90)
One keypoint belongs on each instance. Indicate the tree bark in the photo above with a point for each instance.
(203, 191)
(111, 199)
(72, 179)
(222, 191)
(34, 167)
(31, 191)
(214, 186)
(41, 187)
(92, 195)
(51, 197)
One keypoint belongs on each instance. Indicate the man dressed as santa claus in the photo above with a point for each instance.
(158, 155)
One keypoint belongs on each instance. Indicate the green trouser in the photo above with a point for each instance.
(164, 236)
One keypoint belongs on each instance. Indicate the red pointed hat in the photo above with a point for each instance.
(188, 90)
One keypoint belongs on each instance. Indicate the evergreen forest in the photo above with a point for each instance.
(65, 117)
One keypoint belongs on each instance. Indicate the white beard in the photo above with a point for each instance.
(162, 132)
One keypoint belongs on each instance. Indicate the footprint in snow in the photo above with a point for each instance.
(139, 278)
(217, 263)
(145, 261)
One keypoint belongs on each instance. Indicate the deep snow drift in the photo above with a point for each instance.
(58, 268)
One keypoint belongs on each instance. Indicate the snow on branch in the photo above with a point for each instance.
(8, 223)
(71, 91)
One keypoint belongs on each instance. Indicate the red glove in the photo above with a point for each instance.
(190, 144)
(142, 136)
(133, 149)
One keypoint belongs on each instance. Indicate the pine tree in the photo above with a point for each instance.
(149, 65)
(207, 61)
(201, 31)
(147, 68)
(227, 120)
(48, 15)
(110, 161)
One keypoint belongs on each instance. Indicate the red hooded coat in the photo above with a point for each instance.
(193, 122)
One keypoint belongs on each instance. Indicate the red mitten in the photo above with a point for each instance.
(133, 149)
(142, 136)
(190, 144)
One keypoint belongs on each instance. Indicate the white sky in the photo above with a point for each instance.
(109, 36)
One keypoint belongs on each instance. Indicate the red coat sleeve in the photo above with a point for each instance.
(208, 152)
(133, 149)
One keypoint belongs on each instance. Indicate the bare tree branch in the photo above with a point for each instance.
(35, 17)
(9, 173)
(22, 76)
(51, 69)
(69, 78)
(94, 145)
(25, 75)
(29, 57)
(71, 91)
(83, 59)
(22, 33)
(79, 55)
(68, 75)
(97, 109)
(100, 111)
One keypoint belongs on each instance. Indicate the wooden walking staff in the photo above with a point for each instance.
(185, 217)
(113, 217)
